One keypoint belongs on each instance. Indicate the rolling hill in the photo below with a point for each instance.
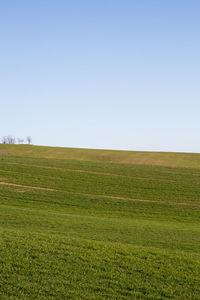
(98, 224)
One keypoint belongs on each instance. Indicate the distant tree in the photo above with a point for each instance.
(29, 139)
(20, 141)
(10, 140)
(4, 140)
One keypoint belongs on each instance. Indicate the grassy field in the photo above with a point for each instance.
(97, 224)
(129, 157)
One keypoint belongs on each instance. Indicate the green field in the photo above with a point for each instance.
(98, 224)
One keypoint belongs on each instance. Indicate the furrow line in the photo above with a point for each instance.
(99, 196)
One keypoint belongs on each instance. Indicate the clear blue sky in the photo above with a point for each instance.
(101, 74)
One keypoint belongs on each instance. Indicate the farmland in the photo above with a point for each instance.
(97, 224)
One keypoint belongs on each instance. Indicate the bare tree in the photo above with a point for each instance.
(4, 140)
(20, 141)
(29, 139)
(10, 140)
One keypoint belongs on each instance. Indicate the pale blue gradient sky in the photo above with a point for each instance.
(101, 74)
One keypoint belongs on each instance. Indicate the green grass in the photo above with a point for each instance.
(129, 157)
(72, 228)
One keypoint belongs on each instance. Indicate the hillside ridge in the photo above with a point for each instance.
(173, 159)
